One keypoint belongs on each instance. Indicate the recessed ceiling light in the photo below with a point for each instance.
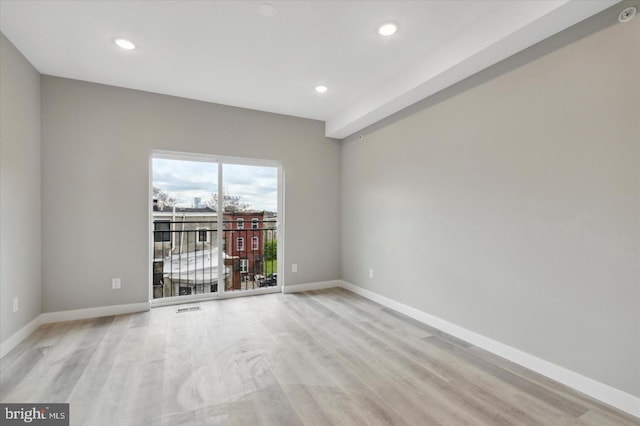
(321, 89)
(123, 43)
(387, 29)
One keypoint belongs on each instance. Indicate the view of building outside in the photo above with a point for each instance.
(189, 240)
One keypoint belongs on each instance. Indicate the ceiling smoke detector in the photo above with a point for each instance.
(266, 9)
(627, 14)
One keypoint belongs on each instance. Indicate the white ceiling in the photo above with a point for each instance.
(227, 52)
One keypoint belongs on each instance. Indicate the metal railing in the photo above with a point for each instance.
(193, 257)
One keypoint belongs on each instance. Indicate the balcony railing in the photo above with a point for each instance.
(190, 258)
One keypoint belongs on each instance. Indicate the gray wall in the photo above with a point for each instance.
(510, 203)
(19, 190)
(96, 146)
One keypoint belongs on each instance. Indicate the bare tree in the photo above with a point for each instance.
(164, 199)
(230, 203)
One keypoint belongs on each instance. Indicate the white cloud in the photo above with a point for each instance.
(184, 180)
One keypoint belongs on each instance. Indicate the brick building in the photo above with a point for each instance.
(186, 250)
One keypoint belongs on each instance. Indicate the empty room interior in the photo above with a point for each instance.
(321, 212)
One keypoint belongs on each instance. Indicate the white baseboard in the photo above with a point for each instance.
(311, 286)
(49, 317)
(600, 391)
(17, 337)
(101, 311)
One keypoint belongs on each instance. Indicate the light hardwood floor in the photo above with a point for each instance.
(317, 358)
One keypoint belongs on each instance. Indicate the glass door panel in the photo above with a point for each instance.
(250, 203)
(185, 228)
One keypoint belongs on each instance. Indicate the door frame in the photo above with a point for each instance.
(220, 160)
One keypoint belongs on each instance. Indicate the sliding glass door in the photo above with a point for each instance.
(214, 227)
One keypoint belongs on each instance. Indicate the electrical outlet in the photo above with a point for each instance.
(115, 283)
(294, 267)
(371, 273)
(15, 304)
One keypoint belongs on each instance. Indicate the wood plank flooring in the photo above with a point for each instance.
(326, 357)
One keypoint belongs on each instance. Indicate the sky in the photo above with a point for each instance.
(184, 180)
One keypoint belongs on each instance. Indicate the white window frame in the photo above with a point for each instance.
(239, 223)
(255, 223)
(244, 266)
(240, 244)
(255, 243)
